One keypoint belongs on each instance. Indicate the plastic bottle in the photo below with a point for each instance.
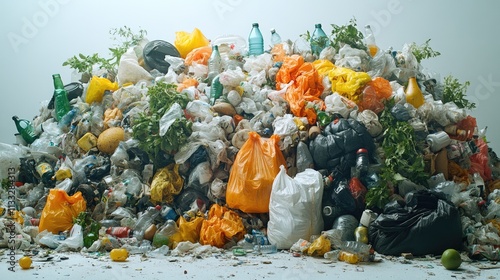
(66, 120)
(255, 41)
(163, 235)
(323, 118)
(61, 102)
(120, 232)
(370, 41)
(265, 249)
(46, 172)
(362, 250)
(413, 93)
(275, 37)
(214, 64)
(318, 39)
(215, 90)
(361, 234)
(25, 128)
(362, 163)
(145, 221)
(478, 180)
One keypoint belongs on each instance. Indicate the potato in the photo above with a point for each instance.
(224, 109)
(108, 140)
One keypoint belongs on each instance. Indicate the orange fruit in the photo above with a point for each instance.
(451, 259)
(25, 262)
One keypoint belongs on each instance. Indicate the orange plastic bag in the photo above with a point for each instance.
(187, 83)
(199, 56)
(307, 86)
(97, 87)
(185, 42)
(253, 172)
(370, 101)
(60, 210)
(480, 161)
(221, 226)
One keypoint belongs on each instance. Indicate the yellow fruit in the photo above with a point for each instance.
(451, 259)
(25, 262)
(119, 255)
(108, 140)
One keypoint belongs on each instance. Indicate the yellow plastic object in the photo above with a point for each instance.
(185, 42)
(118, 255)
(253, 172)
(112, 115)
(413, 93)
(221, 226)
(320, 246)
(348, 257)
(97, 87)
(348, 82)
(188, 230)
(166, 184)
(87, 141)
(62, 174)
(60, 211)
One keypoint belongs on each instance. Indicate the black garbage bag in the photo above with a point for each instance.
(426, 224)
(337, 201)
(340, 138)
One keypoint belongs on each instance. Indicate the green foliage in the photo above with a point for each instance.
(377, 197)
(347, 34)
(6, 184)
(125, 38)
(146, 127)
(454, 91)
(423, 51)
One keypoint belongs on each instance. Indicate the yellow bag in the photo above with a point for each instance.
(166, 183)
(347, 82)
(185, 42)
(188, 231)
(60, 210)
(97, 87)
(222, 225)
(253, 172)
(319, 246)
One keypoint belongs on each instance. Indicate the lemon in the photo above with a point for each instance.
(25, 262)
(451, 259)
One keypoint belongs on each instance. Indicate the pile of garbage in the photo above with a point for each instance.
(319, 147)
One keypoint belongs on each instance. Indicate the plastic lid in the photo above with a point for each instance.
(362, 150)
(255, 24)
(273, 30)
(317, 25)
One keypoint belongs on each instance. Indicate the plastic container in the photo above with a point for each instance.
(370, 41)
(318, 39)
(255, 41)
(120, 232)
(214, 64)
(25, 129)
(438, 141)
(215, 90)
(265, 249)
(361, 234)
(145, 221)
(61, 102)
(362, 163)
(413, 93)
(275, 37)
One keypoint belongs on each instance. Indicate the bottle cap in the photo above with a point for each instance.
(273, 30)
(362, 150)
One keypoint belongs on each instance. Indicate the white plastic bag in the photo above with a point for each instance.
(129, 70)
(174, 113)
(295, 208)
(371, 122)
(337, 104)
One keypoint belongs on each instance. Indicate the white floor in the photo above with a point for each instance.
(282, 265)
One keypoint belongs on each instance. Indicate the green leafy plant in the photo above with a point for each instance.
(146, 127)
(402, 158)
(347, 34)
(454, 91)
(423, 51)
(126, 39)
(6, 184)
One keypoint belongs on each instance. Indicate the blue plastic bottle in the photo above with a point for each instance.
(255, 41)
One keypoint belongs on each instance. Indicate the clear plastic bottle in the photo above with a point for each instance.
(318, 39)
(275, 37)
(215, 90)
(66, 120)
(255, 41)
(145, 221)
(214, 64)
(265, 249)
(370, 41)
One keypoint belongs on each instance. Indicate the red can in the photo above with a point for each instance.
(120, 232)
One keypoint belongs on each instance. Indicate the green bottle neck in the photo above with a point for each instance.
(58, 84)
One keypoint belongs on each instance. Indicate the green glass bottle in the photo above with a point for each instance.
(61, 102)
(25, 128)
(323, 118)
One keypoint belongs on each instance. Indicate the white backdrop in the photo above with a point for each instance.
(38, 36)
